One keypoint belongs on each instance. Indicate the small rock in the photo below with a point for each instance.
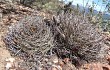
(8, 65)
(54, 59)
(10, 60)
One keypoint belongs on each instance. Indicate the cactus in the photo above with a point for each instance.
(28, 37)
(78, 35)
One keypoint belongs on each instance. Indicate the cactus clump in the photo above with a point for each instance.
(67, 34)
